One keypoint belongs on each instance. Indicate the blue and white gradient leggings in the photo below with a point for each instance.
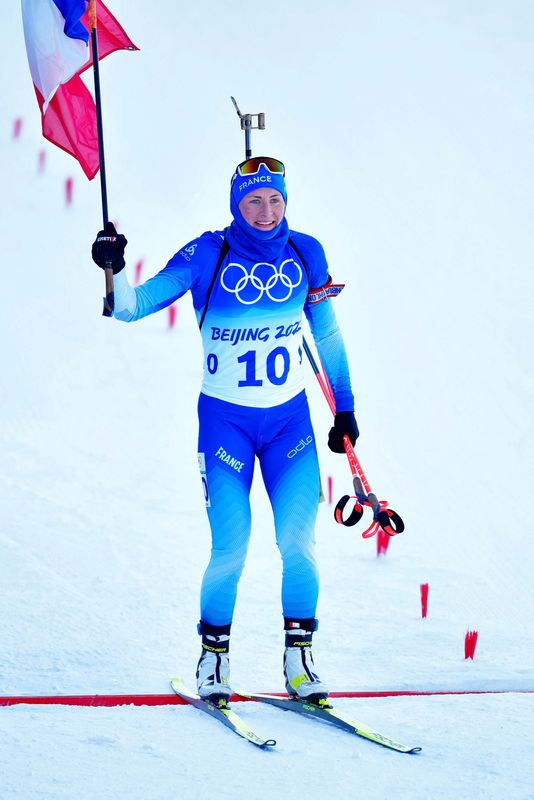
(230, 437)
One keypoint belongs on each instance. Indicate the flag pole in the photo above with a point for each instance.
(109, 302)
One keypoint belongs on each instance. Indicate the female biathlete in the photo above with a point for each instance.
(250, 284)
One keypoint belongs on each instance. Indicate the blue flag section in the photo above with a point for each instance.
(72, 12)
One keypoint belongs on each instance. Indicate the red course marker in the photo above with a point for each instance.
(471, 638)
(138, 271)
(424, 599)
(17, 128)
(69, 184)
(382, 542)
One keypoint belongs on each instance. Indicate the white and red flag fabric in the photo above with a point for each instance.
(58, 43)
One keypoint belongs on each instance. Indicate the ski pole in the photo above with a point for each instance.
(383, 516)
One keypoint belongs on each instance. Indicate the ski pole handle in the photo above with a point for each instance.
(384, 517)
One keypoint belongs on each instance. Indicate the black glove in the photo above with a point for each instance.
(344, 423)
(108, 248)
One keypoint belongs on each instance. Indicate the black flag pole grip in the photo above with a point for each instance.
(109, 300)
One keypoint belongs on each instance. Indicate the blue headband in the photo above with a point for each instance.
(263, 179)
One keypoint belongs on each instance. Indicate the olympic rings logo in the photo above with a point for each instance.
(264, 278)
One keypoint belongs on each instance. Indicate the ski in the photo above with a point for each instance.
(332, 716)
(225, 715)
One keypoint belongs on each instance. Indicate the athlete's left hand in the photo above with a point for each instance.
(344, 425)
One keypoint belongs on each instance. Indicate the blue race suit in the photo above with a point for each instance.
(252, 400)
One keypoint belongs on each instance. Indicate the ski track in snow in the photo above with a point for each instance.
(407, 136)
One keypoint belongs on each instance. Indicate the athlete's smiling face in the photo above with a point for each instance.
(263, 209)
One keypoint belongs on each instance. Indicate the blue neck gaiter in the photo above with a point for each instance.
(245, 240)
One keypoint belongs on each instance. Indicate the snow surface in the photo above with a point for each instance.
(407, 133)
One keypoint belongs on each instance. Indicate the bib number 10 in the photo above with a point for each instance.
(277, 367)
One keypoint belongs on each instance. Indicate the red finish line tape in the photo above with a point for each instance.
(109, 700)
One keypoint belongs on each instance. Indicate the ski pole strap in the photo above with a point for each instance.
(383, 517)
(390, 521)
(355, 515)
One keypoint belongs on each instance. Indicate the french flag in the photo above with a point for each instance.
(59, 49)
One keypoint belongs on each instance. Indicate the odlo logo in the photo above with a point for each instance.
(300, 446)
(188, 252)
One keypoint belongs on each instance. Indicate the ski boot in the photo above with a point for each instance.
(213, 669)
(302, 683)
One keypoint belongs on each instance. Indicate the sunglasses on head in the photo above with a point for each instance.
(252, 166)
